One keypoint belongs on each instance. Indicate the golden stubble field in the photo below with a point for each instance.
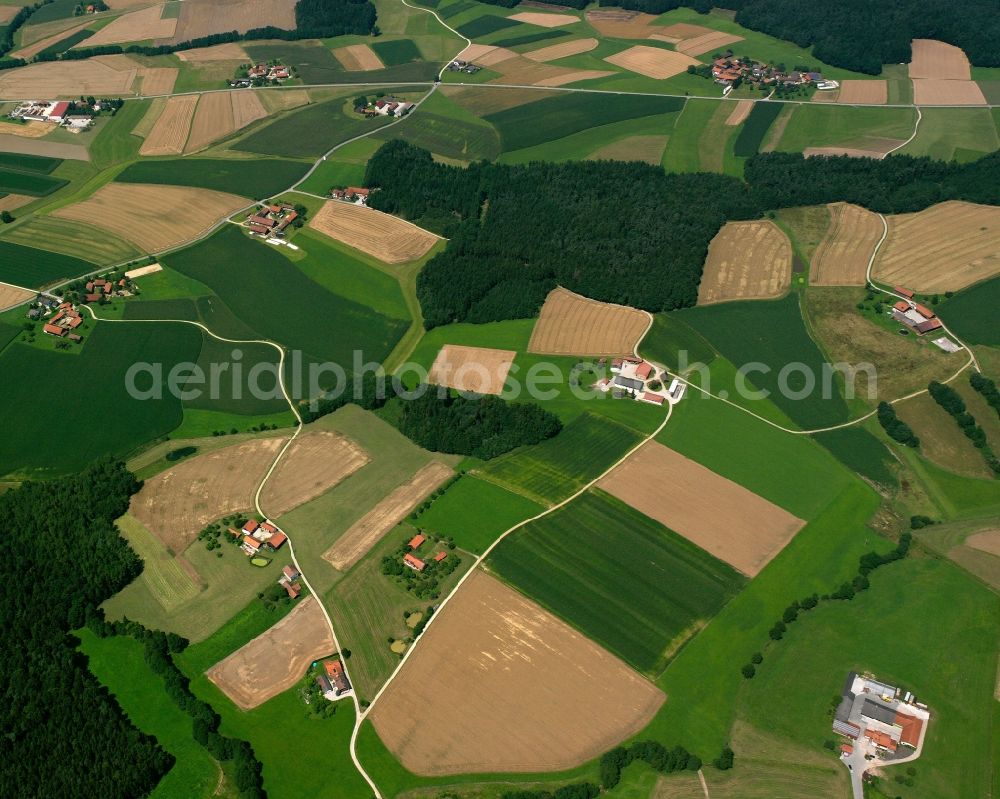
(545, 20)
(570, 324)
(841, 259)
(535, 694)
(562, 50)
(383, 236)
(134, 27)
(653, 62)
(864, 92)
(477, 369)
(169, 134)
(220, 114)
(13, 295)
(358, 58)
(65, 79)
(204, 17)
(746, 261)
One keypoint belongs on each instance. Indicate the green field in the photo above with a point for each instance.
(75, 240)
(475, 512)
(674, 344)
(34, 184)
(828, 125)
(314, 62)
(235, 394)
(961, 134)
(558, 467)
(59, 9)
(119, 663)
(556, 117)
(256, 179)
(623, 579)
(972, 313)
(682, 150)
(446, 136)
(751, 135)
(33, 268)
(29, 163)
(66, 43)
(530, 38)
(397, 51)
(860, 450)
(114, 143)
(485, 25)
(344, 167)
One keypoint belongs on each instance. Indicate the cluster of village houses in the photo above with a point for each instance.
(350, 194)
(727, 71)
(411, 561)
(882, 720)
(634, 376)
(386, 107)
(271, 220)
(62, 323)
(257, 536)
(260, 74)
(59, 112)
(463, 66)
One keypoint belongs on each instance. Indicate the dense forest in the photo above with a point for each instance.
(620, 231)
(64, 734)
(483, 427)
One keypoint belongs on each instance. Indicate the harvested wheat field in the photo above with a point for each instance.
(573, 77)
(489, 101)
(863, 92)
(231, 51)
(65, 79)
(746, 261)
(841, 259)
(653, 62)
(383, 236)
(136, 26)
(275, 660)
(945, 248)
(157, 80)
(740, 112)
(545, 20)
(570, 324)
(13, 295)
(314, 463)
(934, 59)
(26, 130)
(554, 51)
(35, 48)
(358, 58)
(145, 125)
(283, 100)
(720, 516)
(523, 71)
(221, 113)
(947, 92)
(680, 31)
(618, 23)
(647, 149)
(477, 369)
(170, 133)
(204, 17)
(175, 505)
(496, 55)
(536, 694)
(474, 52)
(716, 40)
(390, 511)
(985, 541)
(153, 217)
(11, 202)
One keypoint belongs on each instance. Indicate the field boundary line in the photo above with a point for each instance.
(466, 39)
(916, 127)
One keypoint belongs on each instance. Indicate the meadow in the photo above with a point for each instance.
(75, 240)
(344, 167)
(751, 135)
(41, 164)
(34, 268)
(860, 450)
(258, 179)
(961, 134)
(972, 313)
(669, 337)
(447, 137)
(623, 579)
(485, 25)
(235, 395)
(553, 470)
(34, 184)
(474, 512)
(396, 51)
(682, 149)
(825, 125)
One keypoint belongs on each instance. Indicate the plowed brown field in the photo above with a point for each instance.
(653, 62)
(841, 259)
(545, 20)
(383, 236)
(947, 92)
(477, 369)
(572, 76)
(573, 325)
(746, 261)
(275, 660)
(864, 92)
(170, 133)
(934, 59)
(618, 23)
(720, 516)
(945, 248)
(985, 541)
(536, 695)
(366, 531)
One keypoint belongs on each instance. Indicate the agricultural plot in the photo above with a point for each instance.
(34, 268)
(25, 130)
(390, 511)
(947, 247)
(974, 545)
(230, 51)
(358, 58)
(831, 129)
(841, 259)
(485, 25)
(136, 26)
(383, 236)
(72, 239)
(521, 672)
(558, 467)
(713, 41)
(12, 295)
(153, 217)
(65, 79)
(267, 177)
(444, 136)
(54, 44)
(570, 324)
(622, 578)
(942, 441)
(720, 516)
(200, 18)
(947, 92)
(653, 62)
(863, 92)
(11, 202)
(562, 50)
(474, 369)
(171, 580)
(955, 134)
(483, 101)
(545, 20)
(219, 114)
(157, 80)
(759, 120)
(276, 660)
(740, 112)
(646, 149)
(934, 59)
(746, 260)
(972, 313)
(615, 23)
(170, 132)
(33, 184)
(394, 52)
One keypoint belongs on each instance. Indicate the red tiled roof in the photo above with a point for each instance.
(880, 738)
(53, 330)
(414, 563)
(334, 668)
(276, 540)
(91, 297)
(417, 540)
(904, 291)
(250, 526)
(923, 310)
(289, 572)
(440, 556)
(911, 729)
(643, 370)
(100, 281)
(902, 306)
(357, 190)
(655, 399)
(267, 527)
(59, 109)
(846, 748)
(253, 543)
(75, 322)
(293, 590)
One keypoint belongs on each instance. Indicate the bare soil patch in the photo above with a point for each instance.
(175, 505)
(136, 26)
(573, 325)
(383, 236)
(65, 79)
(358, 58)
(204, 17)
(945, 248)
(231, 51)
(554, 51)
(366, 531)
(740, 113)
(314, 463)
(573, 77)
(153, 217)
(934, 59)
(653, 62)
(489, 101)
(618, 23)
(13, 295)
(36, 47)
(157, 80)
(170, 133)
(864, 92)
(536, 694)
(947, 92)
(720, 516)
(716, 40)
(841, 259)
(26, 130)
(477, 369)
(985, 541)
(545, 20)
(746, 261)
(275, 660)
(14, 201)
(52, 149)
(647, 149)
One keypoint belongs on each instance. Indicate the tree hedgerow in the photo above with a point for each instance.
(896, 428)
(988, 388)
(952, 402)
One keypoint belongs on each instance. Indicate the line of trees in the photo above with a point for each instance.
(896, 428)
(16, 23)
(952, 402)
(987, 388)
